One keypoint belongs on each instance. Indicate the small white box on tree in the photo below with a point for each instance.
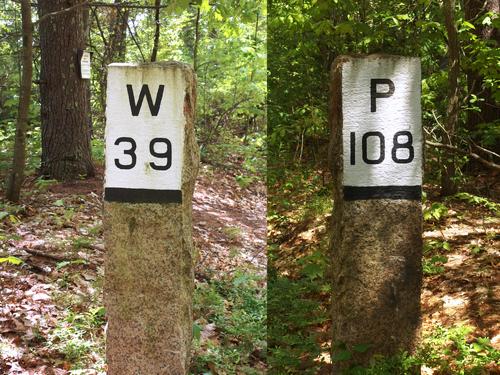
(85, 60)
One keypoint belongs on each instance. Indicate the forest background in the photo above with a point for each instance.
(51, 249)
(457, 42)
(226, 43)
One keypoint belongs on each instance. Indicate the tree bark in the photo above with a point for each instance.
(448, 185)
(116, 47)
(64, 96)
(196, 39)
(118, 30)
(489, 110)
(156, 41)
(19, 160)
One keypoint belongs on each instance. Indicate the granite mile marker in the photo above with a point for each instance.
(376, 157)
(151, 165)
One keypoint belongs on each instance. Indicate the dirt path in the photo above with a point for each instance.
(229, 223)
(466, 290)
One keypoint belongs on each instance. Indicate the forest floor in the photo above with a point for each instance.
(461, 291)
(51, 316)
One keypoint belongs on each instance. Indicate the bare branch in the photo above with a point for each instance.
(136, 42)
(101, 31)
(66, 10)
(459, 151)
(485, 150)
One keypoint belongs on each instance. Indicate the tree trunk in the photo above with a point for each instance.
(156, 41)
(64, 96)
(448, 185)
(118, 31)
(116, 47)
(17, 174)
(489, 110)
(196, 39)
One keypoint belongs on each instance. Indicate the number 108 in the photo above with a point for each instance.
(402, 140)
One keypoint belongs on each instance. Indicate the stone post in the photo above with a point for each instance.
(151, 165)
(376, 157)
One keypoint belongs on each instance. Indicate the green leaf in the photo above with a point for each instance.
(468, 25)
(343, 355)
(312, 270)
(197, 331)
(344, 28)
(3, 214)
(59, 203)
(487, 21)
(204, 6)
(12, 260)
(361, 348)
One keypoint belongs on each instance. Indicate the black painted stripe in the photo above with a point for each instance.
(352, 193)
(142, 195)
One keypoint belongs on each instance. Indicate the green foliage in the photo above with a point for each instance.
(476, 249)
(11, 260)
(435, 212)
(288, 336)
(82, 242)
(434, 265)
(98, 150)
(236, 306)
(434, 260)
(450, 350)
(247, 156)
(294, 310)
(298, 297)
(433, 245)
(479, 201)
(78, 336)
(445, 350)
(11, 212)
(43, 184)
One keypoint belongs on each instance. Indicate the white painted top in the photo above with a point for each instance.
(168, 124)
(399, 112)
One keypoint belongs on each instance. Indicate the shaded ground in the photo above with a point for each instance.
(467, 290)
(462, 255)
(57, 233)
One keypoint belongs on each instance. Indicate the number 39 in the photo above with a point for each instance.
(397, 145)
(167, 154)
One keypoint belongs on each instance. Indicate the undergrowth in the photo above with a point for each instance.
(230, 325)
(299, 289)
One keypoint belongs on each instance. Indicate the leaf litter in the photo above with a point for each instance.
(57, 234)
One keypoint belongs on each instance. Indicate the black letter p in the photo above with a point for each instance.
(374, 94)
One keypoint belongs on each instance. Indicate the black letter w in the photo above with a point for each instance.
(136, 108)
